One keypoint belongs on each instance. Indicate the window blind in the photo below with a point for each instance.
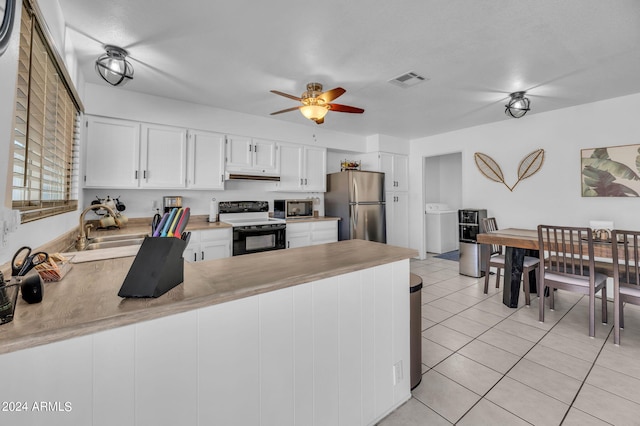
(45, 132)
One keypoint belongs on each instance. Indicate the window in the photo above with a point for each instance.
(45, 130)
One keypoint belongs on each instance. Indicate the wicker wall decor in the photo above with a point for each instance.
(527, 167)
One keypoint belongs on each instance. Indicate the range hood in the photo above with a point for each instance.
(249, 176)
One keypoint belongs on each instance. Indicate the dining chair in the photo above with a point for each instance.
(626, 275)
(569, 265)
(497, 260)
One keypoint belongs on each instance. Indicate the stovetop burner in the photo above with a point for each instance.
(246, 213)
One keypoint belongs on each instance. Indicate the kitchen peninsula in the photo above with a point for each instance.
(314, 335)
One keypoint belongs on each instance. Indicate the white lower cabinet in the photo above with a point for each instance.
(318, 353)
(311, 233)
(208, 245)
(324, 232)
(298, 234)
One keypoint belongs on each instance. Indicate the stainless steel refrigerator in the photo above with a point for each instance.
(357, 197)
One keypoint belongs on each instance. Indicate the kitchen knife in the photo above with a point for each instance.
(183, 222)
(167, 225)
(174, 223)
(186, 236)
(158, 230)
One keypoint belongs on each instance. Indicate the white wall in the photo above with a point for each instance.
(386, 143)
(113, 102)
(139, 202)
(553, 195)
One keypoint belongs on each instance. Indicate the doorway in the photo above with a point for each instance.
(442, 184)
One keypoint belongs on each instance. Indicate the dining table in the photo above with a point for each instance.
(517, 243)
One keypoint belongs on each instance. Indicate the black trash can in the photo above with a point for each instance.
(415, 329)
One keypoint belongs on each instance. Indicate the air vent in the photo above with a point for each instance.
(408, 79)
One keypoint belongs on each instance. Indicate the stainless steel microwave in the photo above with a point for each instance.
(284, 209)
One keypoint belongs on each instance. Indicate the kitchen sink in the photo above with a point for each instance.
(114, 243)
(110, 238)
(110, 241)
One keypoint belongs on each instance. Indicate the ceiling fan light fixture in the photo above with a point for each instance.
(518, 105)
(314, 112)
(113, 66)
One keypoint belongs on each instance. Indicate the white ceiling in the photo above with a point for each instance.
(230, 54)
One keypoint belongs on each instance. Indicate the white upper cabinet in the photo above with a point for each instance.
(394, 166)
(239, 153)
(265, 156)
(251, 155)
(396, 169)
(302, 168)
(112, 153)
(205, 160)
(290, 168)
(127, 154)
(315, 167)
(163, 157)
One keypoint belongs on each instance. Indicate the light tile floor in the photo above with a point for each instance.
(486, 364)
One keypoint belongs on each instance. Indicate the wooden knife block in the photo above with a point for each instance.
(157, 268)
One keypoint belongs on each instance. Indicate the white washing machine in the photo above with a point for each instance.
(442, 228)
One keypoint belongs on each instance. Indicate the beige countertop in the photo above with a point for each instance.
(86, 300)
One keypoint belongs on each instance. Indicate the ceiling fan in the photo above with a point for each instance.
(316, 103)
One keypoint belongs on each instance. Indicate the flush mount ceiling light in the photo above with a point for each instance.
(113, 66)
(518, 105)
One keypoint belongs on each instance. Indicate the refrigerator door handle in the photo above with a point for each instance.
(354, 217)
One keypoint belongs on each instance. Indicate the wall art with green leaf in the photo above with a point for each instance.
(611, 172)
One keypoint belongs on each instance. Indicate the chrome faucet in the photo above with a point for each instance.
(82, 238)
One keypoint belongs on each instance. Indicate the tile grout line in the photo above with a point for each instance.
(585, 380)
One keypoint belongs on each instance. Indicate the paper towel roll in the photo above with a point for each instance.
(213, 211)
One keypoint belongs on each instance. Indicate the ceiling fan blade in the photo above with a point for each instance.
(332, 94)
(345, 108)
(285, 110)
(286, 95)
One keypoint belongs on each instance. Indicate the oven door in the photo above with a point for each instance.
(257, 238)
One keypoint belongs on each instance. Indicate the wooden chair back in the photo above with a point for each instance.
(626, 256)
(566, 249)
(489, 224)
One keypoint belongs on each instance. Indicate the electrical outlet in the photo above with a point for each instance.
(4, 232)
(15, 220)
(397, 373)
(154, 205)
